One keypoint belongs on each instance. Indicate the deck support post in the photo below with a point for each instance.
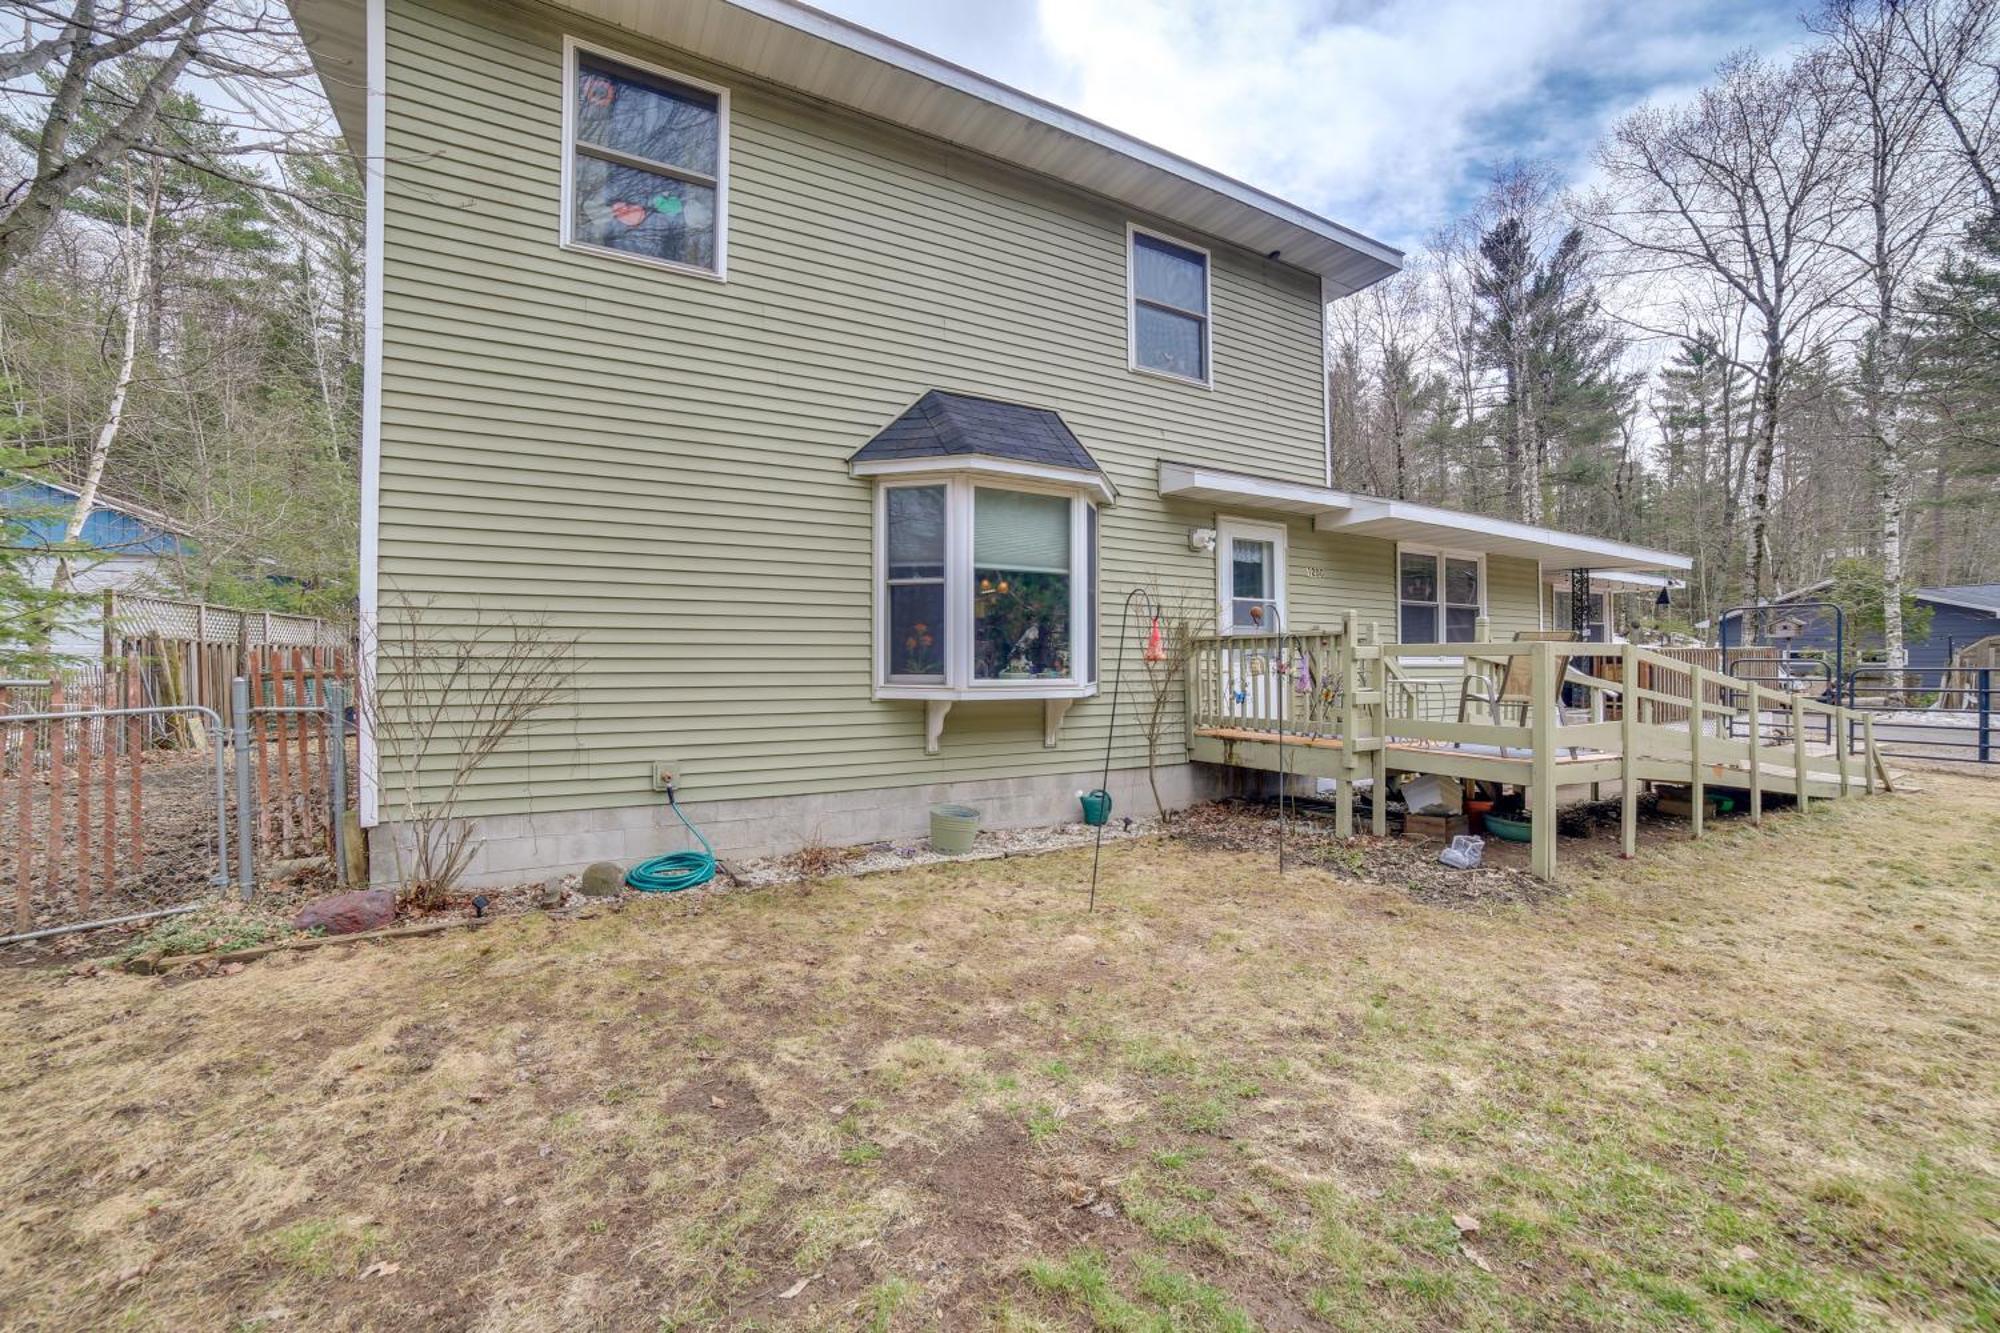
(1542, 765)
(1697, 726)
(1343, 785)
(1843, 723)
(1867, 754)
(1799, 750)
(1628, 742)
(1756, 755)
(1378, 758)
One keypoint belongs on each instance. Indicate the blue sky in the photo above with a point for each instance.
(1384, 114)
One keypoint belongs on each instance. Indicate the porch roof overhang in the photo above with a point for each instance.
(843, 64)
(1621, 581)
(1191, 481)
(1407, 521)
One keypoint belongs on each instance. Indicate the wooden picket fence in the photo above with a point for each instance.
(293, 750)
(77, 785)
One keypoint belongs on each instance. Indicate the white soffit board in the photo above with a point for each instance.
(1234, 490)
(1429, 525)
(1622, 581)
(799, 47)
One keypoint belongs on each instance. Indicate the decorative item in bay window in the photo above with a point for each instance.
(1021, 585)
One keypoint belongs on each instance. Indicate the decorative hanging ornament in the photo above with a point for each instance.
(1156, 644)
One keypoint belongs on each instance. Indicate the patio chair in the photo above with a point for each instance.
(1515, 689)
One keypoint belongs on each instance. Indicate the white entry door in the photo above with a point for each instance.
(1250, 590)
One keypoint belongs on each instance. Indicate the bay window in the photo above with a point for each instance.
(1440, 596)
(986, 588)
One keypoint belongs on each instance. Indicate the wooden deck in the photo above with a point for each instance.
(1338, 704)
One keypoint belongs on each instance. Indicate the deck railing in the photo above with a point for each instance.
(1647, 717)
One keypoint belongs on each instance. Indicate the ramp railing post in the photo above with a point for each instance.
(239, 698)
(336, 733)
(1986, 715)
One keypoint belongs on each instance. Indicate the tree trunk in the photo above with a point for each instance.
(138, 260)
(1767, 453)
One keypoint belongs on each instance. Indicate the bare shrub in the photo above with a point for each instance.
(448, 696)
(1185, 616)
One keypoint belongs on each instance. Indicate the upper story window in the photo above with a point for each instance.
(646, 163)
(1441, 596)
(1169, 315)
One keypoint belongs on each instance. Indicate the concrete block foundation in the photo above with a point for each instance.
(513, 849)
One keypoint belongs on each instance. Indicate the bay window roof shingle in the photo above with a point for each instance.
(948, 425)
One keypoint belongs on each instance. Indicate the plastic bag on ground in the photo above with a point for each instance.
(1464, 853)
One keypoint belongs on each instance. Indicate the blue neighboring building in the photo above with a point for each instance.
(126, 541)
(1961, 615)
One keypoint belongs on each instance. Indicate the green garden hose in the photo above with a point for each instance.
(675, 871)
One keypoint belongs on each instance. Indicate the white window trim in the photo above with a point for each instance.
(1396, 590)
(958, 683)
(574, 46)
(1133, 230)
(1227, 528)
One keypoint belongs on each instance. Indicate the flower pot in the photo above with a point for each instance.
(953, 827)
(1475, 815)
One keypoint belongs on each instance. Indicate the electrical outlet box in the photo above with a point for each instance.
(666, 773)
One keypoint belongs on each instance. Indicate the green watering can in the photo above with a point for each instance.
(1096, 807)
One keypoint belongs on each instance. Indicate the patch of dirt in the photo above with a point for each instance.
(1410, 865)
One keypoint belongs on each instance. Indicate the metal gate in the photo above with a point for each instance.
(99, 816)
(1935, 713)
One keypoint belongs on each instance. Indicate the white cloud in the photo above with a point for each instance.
(1386, 115)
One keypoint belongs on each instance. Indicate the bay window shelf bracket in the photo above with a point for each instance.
(1053, 711)
(934, 711)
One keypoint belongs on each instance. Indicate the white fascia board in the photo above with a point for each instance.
(984, 465)
(1409, 521)
(1193, 482)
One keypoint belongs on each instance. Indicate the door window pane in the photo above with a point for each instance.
(1020, 586)
(1252, 574)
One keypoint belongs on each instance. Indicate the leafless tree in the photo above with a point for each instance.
(1904, 187)
(1739, 187)
(91, 80)
(1948, 48)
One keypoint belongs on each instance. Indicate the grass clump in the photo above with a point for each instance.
(211, 930)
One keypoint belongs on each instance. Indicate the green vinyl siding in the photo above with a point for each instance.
(655, 463)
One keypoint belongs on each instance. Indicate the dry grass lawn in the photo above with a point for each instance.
(1750, 1082)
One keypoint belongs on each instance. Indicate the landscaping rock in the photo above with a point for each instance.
(603, 879)
(346, 913)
